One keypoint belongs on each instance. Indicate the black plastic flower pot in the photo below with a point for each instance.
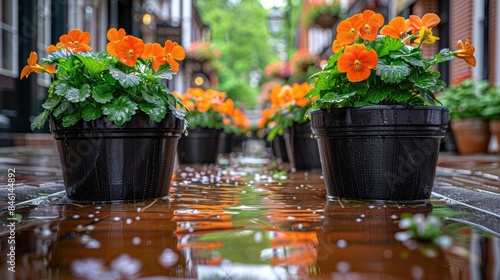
(278, 147)
(199, 146)
(302, 148)
(105, 162)
(380, 152)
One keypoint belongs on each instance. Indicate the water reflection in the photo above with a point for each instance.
(221, 225)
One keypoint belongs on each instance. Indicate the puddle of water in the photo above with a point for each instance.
(236, 227)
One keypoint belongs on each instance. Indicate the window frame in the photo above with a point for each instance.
(14, 30)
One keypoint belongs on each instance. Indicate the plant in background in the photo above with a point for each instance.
(466, 100)
(492, 103)
(212, 109)
(330, 13)
(116, 84)
(279, 70)
(203, 51)
(303, 64)
(371, 69)
(288, 106)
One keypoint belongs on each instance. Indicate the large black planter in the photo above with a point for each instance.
(278, 147)
(380, 152)
(104, 162)
(302, 148)
(199, 145)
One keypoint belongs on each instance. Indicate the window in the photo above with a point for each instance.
(43, 36)
(8, 38)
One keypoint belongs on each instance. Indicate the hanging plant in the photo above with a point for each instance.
(323, 15)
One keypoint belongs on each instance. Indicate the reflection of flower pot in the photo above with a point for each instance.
(279, 148)
(200, 145)
(302, 148)
(380, 152)
(326, 20)
(358, 240)
(105, 162)
(230, 143)
(472, 135)
(495, 130)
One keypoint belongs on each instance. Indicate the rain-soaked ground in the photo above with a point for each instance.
(242, 219)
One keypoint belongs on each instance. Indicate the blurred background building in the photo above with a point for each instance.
(28, 25)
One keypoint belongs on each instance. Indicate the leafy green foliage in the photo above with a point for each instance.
(466, 99)
(87, 86)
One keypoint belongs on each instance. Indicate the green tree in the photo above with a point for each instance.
(239, 29)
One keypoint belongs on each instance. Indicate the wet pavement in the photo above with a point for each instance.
(239, 220)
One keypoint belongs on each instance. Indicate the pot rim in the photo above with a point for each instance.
(384, 107)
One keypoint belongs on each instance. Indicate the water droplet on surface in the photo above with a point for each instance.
(394, 217)
(341, 243)
(186, 133)
(76, 217)
(117, 219)
(358, 220)
(343, 267)
(371, 206)
(136, 240)
(168, 258)
(128, 221)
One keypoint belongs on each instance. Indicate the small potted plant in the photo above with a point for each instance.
(492, 111)
(375, 116)
(207, 118)
(115, 123)
(323, 14)
(289, 106)
(466, 102)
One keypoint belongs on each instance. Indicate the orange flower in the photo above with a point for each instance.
(348, 29)
(396, 28)
(173, 53)
(76, 41)
(285, 97)
(34, 67)
(52, 48)
(466, 52)
(299, 91)
(114, 36)
(429, 20)
(129, 49)
(371, 23)
(336, 46)
(155, 53)
(357, 62)
(203, 104)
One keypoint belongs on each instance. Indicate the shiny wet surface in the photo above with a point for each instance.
(238, 221)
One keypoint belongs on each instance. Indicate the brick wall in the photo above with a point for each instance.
(461, 13)
(493, 34)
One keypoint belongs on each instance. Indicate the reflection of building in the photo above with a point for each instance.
(460, 19)
(34, 24)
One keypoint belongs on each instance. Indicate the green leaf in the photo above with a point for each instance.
(151, 98)
(102, 93)
(61, 88)
(125, 80)
(401, 96)
(155, 112)
(78, 95)
(423, 80)
(55, 56)
(91, 112)
(92, 64)
(51, 102)
(64, 105)
(70, 120)
(332, 97)
(120, 110)
(375, 95)
(392, 73)
(40, 120)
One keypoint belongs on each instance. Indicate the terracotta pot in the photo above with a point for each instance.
(495, 130)
(471, 135)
